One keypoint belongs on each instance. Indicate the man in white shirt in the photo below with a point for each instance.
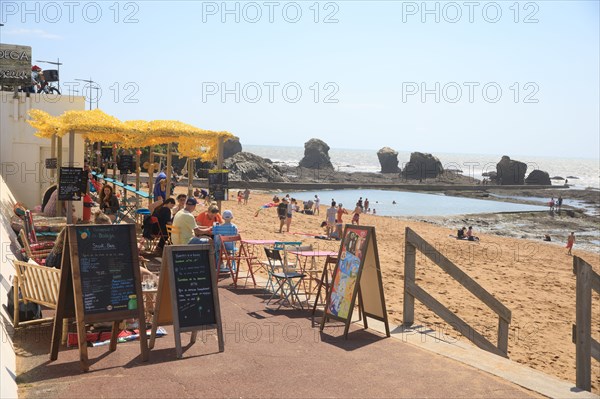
(184, 224)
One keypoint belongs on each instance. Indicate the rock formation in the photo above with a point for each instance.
(316, 155)
(231, 147)
(422, 166)
(538, 177)
(249, 167)
(388, 159)
(510, 172)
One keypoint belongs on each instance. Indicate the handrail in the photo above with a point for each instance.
(411, 291)
(586, 347)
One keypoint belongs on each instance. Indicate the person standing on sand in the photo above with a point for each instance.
(559, 203)
(282, 212)
(570, 242)
(246, 196)
(331, 215)
(340, 212)
(366, 207)
(317, 203)
(356, 216)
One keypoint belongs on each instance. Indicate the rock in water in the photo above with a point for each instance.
(422, 166)
(388, 159)
(316, 155)
(249, 167)
(538, 177)
(510, 172)
(231, 147)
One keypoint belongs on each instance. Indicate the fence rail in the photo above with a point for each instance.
(412, 291)
(586, 347)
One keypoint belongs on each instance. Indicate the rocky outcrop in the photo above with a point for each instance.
(249, 167)
(316, 155)
(538, 177)
(231, 147)
(510, 172)
(388, 159)
(422, 166)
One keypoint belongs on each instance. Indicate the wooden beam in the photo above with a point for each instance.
(410, 256)
(456, 322)
(583, 321)
(461, 277)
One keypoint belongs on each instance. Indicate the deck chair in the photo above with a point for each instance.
(287, 280)
(37, 284)
(231, 254)
(37, 252)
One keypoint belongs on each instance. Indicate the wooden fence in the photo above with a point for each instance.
(586, 348)
(411, 291)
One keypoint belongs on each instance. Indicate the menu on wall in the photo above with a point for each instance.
(106, 268)
(125, 163)
(193, 288)
(72, 184)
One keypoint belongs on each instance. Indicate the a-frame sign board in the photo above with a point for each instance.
(100, 282)
(357, 273)
(187, 296)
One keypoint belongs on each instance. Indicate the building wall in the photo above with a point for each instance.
(22, 154)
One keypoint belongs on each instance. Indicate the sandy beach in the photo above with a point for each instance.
(534, 279)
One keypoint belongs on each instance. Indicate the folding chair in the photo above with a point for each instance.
(232, 252)
(169, 232)
(287, 278)
(152, 242)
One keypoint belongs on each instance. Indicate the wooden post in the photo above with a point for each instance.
(169, 169)
(410, 258)
(583, 320)
(138, 169)
(150, 175)
(220, 160)
(59, 210)
(99, 154)
(114, 167)
(53, 155)
(190, 168)
(71, 164)
(503, 335)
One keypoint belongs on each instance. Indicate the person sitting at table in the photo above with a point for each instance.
(180, 204)
(163, 215)
(109, 204)
(224, 229)
(209, 217)
(184, 224)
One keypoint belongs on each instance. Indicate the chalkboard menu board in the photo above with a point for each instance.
(51, 163)
(106, 268)
(218, 183)
(107, 154)
(126, 164)
(72, 184)
(193, 288)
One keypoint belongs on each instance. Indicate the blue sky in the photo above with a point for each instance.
(492, 78)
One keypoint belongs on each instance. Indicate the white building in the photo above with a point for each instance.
(23, 155)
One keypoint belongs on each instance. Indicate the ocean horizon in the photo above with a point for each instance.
(582, 173)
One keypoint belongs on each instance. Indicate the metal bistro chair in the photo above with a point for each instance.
(288, 278)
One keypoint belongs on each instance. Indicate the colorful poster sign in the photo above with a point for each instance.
(347, 272)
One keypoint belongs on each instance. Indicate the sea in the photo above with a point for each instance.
(581, 174)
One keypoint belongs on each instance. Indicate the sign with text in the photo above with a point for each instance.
(51, 163)
(187, 294)
(72, 183)
(100, 282)
(15, 61)
(126, 164)
(218, 184)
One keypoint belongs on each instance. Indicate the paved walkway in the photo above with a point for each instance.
(267, 354)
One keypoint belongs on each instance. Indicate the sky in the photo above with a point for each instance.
(477, 77)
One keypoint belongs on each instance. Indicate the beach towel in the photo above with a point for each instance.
(265, 206)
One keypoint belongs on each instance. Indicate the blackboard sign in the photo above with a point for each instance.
(51, 163)
(106, 270)
(99, 282)
(193, 288)
(187, 296)
(71, 184)
(125, 163)
(107, 154)
(218, 184)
